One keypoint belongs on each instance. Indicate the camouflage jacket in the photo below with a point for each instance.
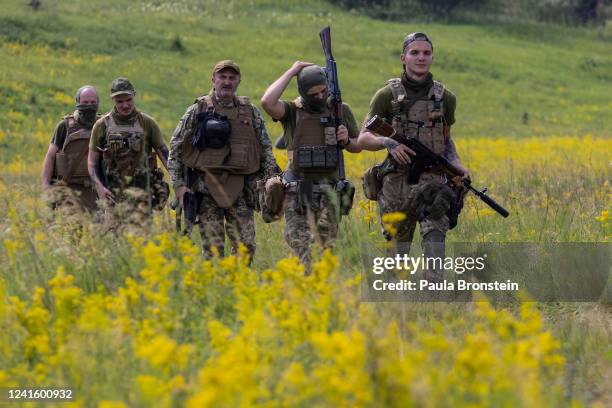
(185, 129)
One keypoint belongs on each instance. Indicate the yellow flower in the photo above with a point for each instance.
(390, 221)
(603, 217)
(111, 404)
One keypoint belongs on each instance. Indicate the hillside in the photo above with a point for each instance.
(560, 77)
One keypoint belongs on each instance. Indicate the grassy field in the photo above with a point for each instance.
(143, 321)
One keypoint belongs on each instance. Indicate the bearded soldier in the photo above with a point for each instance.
(417, 107)
(65, 165)
(218, 152)
(312, 205)
(121, 162)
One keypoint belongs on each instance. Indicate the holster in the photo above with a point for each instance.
(372, 184)
(271, 198)
(191, 207)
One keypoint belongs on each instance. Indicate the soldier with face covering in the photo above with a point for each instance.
(64, 177)
(311, 211)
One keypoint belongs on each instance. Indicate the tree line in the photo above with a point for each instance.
(570, 12)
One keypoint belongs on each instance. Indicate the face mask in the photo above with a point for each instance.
(313, 104)
(307, 78)
(87, 114)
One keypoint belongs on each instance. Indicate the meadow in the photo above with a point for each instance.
(142, 320)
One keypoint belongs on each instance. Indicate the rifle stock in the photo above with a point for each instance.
(425, 157)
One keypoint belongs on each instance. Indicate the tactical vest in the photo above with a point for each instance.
(71, 159)
(242, 156)
(124, 155)
(313, 150)
(424, 120)
(223, 170)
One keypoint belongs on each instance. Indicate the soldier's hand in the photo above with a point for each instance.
(400, 152)
(180, 193)
(298, 66)
(104, 193)
(458, 180)
(342, 134)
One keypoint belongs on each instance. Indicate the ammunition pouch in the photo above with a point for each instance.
(271, 198)
(317, 158)
(346, 194)
(213, 131)
(372, 184)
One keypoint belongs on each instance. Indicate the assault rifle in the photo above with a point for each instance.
(344, 188)
(425, 158)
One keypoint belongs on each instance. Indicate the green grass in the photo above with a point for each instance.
(559, 76)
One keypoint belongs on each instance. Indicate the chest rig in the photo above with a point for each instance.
(71, 159)
(243, 153)
(124, 154)
(314, 148)
(424, 119)
(223, 170)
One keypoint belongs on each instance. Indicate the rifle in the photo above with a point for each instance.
(426, 158)
(345, 189)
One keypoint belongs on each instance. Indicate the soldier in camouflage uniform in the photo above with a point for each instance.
(218, 152)
(311, 211)
(416, 106)
(121, 162)
(64, 177)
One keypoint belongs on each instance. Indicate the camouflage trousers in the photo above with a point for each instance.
(130, 210)
(397, 195)
(72, 198)
(236, 221)
(318, 222)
